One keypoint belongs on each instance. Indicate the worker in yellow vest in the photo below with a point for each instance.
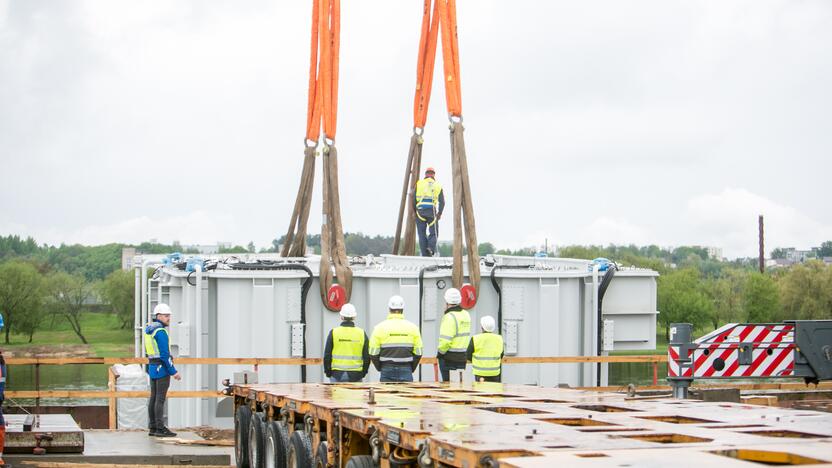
(396, 345)
(429, 203)
(346, 353)
(160, 368)
(454, 335)
(485, 352)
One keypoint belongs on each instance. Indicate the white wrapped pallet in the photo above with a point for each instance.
(132, 412)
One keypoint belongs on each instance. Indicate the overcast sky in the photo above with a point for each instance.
(649, 122)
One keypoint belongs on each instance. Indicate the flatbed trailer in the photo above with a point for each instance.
(492, 424)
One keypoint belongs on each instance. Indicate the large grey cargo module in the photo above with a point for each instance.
(548, 308)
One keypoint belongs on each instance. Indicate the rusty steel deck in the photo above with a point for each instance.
(486, 424)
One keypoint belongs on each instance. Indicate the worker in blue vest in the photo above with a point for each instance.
(430, 203)
(485, 352)
(160, 367)
(347, 350)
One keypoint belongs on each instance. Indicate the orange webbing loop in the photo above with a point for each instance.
(450, 57)
(322, 111)
(323, 69)
(440, 15)
(425, 64)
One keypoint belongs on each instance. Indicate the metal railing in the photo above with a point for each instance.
(112, 395)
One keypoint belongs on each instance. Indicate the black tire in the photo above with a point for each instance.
(277, 445)
(361, 461)
(300, 451)
(242, 420)
(321, 455)
(257, 441)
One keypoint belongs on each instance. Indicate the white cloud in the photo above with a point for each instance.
(729, 219)
(598, 122)
(726, 219)
(197, 227)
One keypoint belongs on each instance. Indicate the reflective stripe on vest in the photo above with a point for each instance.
(427, 193)
(487, 350)
(459, 342)
(396, 340)
(151, 347)
(347, 349)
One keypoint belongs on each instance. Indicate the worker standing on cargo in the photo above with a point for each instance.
(485, 352)
(160, 367)
(346, 353)
(430, 203)
(454, 335)
(396, 345)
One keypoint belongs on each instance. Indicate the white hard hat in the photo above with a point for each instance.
(395, 303)
(161, 309)
(487, 323)
(453, 296)
(348, 311)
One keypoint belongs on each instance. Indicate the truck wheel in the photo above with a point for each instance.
(256, 440)
(242, 420)
(361, 461)
(277, 445)
(300, 450)
(321, 455)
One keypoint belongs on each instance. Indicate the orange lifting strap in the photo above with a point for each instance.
(322, 111)
(440, 15)
(446, 11)
(323, 70)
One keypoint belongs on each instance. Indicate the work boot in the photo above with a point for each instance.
(165, 432)
(151, 432)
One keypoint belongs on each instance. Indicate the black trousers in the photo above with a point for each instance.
(156, 403)
(493, 378)
(445, 368)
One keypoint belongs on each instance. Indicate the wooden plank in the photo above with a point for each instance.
(56, 361)
(43, 464)
(746, 387)
(108, 394)
(764, 400)
(317, 361)
(209, 443)
(578, 359)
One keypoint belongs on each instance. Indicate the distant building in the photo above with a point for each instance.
(714, 253)
(827, 260)
(779, 263)
(127, 254)
(203, 249)
(797, 256)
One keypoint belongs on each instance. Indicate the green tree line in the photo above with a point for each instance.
(40, 281)
(29, 296)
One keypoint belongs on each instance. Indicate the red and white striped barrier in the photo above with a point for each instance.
(736, 351)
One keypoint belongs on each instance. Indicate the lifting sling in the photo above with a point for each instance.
(322, 111)
(440, 15)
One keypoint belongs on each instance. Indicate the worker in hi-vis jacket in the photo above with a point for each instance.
(347, 349)
(430, 203)
(160, 367)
